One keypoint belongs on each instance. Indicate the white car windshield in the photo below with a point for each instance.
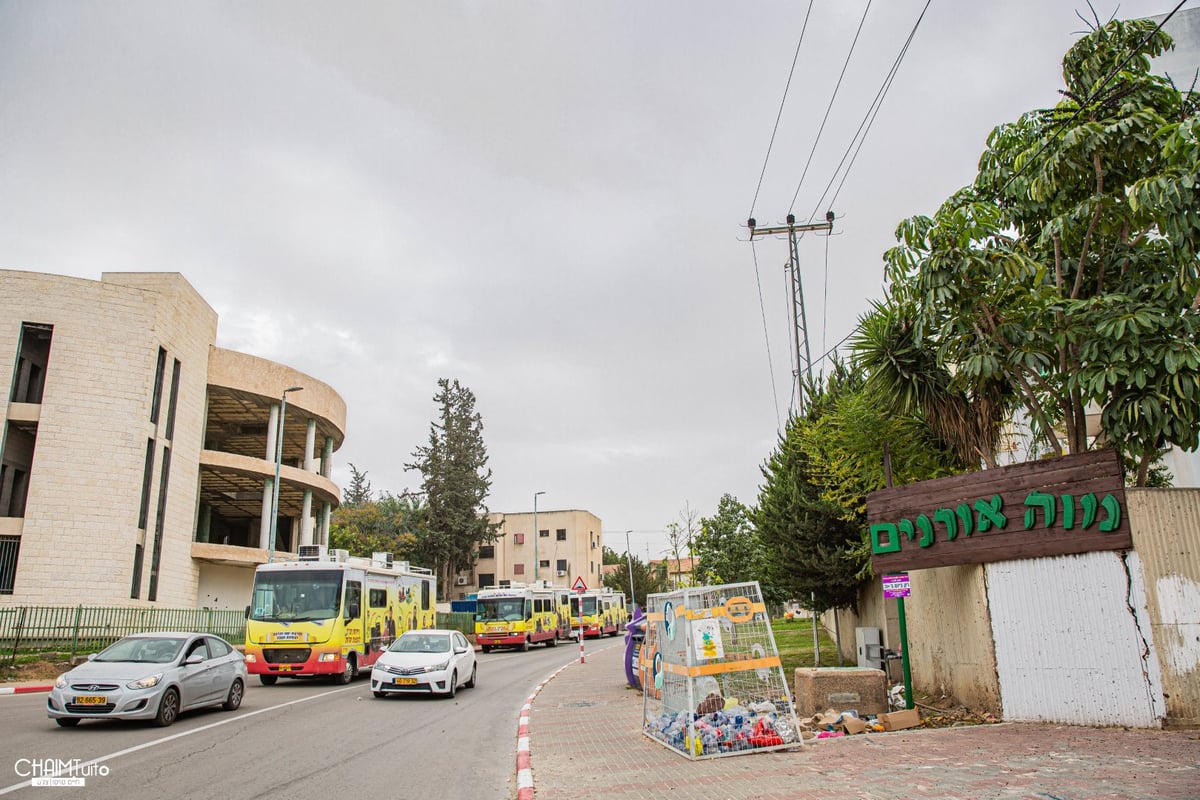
(421, 643)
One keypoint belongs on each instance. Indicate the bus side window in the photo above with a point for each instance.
(353, 599)
(424, 595)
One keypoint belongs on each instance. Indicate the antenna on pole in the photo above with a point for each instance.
(803, 365)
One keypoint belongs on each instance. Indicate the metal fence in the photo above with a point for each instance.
(86, 629)
(458, 621)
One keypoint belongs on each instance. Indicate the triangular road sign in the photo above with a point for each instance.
(579, 585)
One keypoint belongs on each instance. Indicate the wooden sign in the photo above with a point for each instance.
(1051, 507)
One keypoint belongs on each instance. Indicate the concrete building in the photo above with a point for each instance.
(568, 545)
(137, 458)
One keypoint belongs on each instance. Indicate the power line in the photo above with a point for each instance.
(830, 106)
(766, 337)
(779, 115)
(868, 119)
(1087, 100)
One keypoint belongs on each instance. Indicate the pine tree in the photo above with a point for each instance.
(455, 481)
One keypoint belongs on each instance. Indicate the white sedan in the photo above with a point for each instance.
(425, 662)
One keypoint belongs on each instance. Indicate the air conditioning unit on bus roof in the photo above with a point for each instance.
(311, 552)
(381, 560)
(339, 555)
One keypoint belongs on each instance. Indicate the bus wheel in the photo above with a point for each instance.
(525, 645)
(347, 675)
(552, 641)
(487, 648)
(268, 680)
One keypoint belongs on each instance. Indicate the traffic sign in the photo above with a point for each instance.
(579, 585)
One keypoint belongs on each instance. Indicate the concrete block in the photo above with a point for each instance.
(840, 688)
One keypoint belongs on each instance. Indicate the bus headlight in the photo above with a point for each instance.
(251, 658)
(328, 657)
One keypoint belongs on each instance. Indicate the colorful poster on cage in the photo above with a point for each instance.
(706, 638)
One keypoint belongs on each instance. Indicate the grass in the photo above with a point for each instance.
(794, 638)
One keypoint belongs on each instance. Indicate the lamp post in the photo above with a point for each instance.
(535, 537)
(629, 560)
(278, 462)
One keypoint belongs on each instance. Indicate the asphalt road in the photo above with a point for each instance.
(297, 739)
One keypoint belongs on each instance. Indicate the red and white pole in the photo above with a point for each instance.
(581, 626)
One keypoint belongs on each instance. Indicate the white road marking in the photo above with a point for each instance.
(181, 734)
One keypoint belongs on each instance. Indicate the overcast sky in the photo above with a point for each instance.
(544, 200)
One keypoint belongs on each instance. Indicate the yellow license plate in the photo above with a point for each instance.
(406, 681)
(90, 700)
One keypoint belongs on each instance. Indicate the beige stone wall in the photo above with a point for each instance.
(268, 379)
(85, 484)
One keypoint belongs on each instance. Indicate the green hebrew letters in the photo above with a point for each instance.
(893, 542)
(966, 518)
(1088, 501)
(947, 518)
(906, 527)
(989, 513)
(1041, 500)
(1110, 523)
(1068, 506)
(926, 530)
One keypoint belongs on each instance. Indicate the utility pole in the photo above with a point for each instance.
(800, 323)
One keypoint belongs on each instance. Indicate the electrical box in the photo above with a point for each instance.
(869, 642)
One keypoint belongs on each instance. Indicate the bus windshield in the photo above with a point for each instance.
(500, 609)
(589, 606)
(296, 595)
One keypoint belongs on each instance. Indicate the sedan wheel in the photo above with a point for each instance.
(471, 683)
(234, 698)
(168, 708)
(453, 685)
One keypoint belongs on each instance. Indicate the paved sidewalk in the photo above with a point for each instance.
(585, 741)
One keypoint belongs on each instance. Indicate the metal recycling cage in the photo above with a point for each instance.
(712, 681)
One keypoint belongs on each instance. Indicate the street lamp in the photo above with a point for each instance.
(629, 559)
(535, 537)
(278, 462)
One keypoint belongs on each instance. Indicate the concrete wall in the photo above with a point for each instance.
(224, 587)
(1166, 534)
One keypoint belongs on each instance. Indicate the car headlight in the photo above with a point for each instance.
(438, 667)
(145, 683)
(61, 681)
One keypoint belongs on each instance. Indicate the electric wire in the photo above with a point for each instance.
(766, 337)
(829, 108)
(825, 298)
(779, 115)
(868, 120)
(1087, 100)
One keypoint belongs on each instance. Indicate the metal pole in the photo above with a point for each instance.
(816, 641)
(278, 462)
(629, 558)
(581, 626)
(535, 538)
(908, 692)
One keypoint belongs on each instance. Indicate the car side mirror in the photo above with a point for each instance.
(194, 658)
(460, 650)
(91, 656)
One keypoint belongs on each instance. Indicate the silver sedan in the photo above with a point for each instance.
(150, 676)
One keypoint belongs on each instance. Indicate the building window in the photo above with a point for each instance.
(156, 401)
(518, 569)
(560, 535)
(561, 566)
(487, 551)
(10, 548)
(518, 538)
(174, 399)
(487, 579)
(156, 556)
(544, 534)
(147, 474)
(135, 583)
(33, 354)
(545, 562)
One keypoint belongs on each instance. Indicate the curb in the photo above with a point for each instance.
(524, 767)
(25, 689)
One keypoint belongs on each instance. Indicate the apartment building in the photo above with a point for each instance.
(137, 458)
(567, 545)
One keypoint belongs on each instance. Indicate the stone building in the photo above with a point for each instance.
(137, 458)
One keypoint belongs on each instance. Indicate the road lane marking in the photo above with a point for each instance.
(155, 742)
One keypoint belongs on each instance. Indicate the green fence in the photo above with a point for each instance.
(458, 621)
(87, 629)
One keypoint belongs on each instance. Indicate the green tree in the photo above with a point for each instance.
(645, 579)
(455, 482)
(1066, 276)
(729, 550)
(359, 490)
(387, 525)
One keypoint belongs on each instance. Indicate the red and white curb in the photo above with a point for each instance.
(524, 768)
(24, 689)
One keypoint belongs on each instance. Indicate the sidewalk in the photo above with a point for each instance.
(585, 742)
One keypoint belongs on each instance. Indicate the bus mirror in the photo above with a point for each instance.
(353, 610)
(247, 612)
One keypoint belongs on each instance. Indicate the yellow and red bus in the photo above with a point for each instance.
(517, 615)
(328, 614)
(604, 612)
